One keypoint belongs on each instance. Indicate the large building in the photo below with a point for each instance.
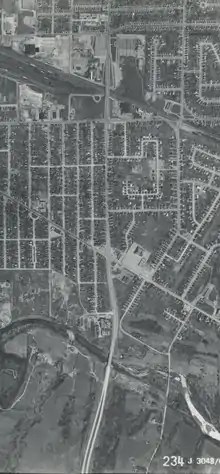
(134, 261)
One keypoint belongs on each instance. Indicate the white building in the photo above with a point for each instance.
(133, 261)
(9, 23)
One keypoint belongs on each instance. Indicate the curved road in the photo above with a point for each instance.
(45, 77)
(21, 325)
(51, 79)
(112, 293)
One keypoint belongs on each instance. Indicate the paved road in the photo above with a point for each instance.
(47, 78)
(22, 325)
(112, 294)
(44, 76)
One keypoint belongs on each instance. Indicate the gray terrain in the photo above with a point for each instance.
(109, 236)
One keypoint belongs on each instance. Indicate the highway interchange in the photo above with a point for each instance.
(46, 78)
(112, 293)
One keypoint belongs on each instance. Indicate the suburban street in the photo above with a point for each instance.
(44, 76)
(109, 235)
(113, 299)
(47, 78)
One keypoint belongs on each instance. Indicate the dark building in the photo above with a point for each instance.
(31, 49)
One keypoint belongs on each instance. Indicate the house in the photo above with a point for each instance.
(30, 49)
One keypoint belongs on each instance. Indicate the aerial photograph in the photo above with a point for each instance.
(110, 236)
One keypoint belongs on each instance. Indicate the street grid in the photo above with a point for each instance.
(91, 167)
(13, 239)
(60, 223)
(58, 186)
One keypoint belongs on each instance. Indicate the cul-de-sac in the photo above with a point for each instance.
(110, 236)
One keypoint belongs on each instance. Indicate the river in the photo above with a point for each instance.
(206, 427)
(20, 326)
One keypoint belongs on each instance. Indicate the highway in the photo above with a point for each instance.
(22, 325)
(112, 294)
(43, 76)
(47, 78)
